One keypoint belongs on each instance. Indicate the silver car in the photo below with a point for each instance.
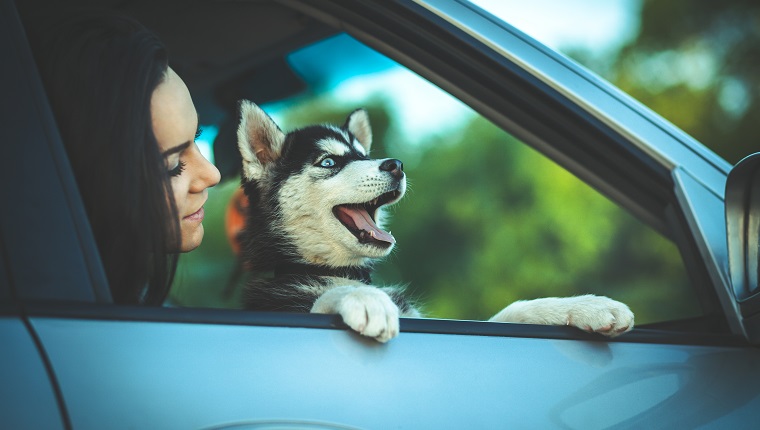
(70, 358)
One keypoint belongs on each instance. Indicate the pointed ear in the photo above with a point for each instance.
(259, 140)
(358, 124)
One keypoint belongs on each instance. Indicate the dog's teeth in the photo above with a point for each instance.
(372, 233)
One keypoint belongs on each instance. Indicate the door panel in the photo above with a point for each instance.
(183, 375)
(27, 399)
(51, 254)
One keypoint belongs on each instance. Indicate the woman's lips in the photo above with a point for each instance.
(197, 216)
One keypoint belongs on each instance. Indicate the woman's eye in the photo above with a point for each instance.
(177, 170)
(327, 162)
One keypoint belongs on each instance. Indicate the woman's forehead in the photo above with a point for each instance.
(173, 114)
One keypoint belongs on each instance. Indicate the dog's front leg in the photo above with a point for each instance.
(367, 310)
(590, 313)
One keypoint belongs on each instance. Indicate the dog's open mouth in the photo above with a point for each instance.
(359, 219)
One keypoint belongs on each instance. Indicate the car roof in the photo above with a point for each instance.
(219, 67)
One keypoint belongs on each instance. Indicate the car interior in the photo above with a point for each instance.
(219, 67)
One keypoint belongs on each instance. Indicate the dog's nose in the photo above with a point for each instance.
(394, 167)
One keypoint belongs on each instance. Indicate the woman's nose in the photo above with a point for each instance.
(213, 176)
(207, 175)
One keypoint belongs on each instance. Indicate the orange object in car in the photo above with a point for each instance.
(234, 219)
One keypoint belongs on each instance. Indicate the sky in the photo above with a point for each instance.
(597, 26)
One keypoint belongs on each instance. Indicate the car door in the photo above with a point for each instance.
(28, 392)
(136, 367)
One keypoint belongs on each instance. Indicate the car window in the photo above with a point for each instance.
(487, 220)
(694, 64)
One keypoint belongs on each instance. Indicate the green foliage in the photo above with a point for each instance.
(698, 65)
(486, 221)
(489, 221)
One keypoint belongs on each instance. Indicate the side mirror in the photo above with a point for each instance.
(743, 235)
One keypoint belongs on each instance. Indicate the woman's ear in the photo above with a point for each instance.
(259, 140)
(358, 124)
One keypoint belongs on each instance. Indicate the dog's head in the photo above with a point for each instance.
(321, 192)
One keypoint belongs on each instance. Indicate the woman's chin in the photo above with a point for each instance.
(192, 240)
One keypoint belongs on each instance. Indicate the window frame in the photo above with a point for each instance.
(513, 91)
(412, 35)
(55, 257)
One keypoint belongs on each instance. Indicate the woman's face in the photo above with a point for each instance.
(175, 124)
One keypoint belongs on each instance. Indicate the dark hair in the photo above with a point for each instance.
(100, 72)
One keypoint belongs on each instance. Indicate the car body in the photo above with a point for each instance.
(70, 358)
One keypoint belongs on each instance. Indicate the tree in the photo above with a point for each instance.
(698, 64)
(489, 221)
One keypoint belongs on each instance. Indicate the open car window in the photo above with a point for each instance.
(488, 221)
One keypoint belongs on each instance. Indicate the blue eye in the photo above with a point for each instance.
(327, 162)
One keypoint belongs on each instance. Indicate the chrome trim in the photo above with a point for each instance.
(704, 216)
(661, 140)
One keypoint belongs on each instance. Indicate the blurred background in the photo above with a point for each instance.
(695, 63)
(487, 220)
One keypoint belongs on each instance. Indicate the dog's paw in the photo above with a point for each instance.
(367, 310)
(599, 315)
(595, 314)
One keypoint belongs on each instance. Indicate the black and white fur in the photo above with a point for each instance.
(315, 220)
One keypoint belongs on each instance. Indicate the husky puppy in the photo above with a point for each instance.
(315, 216)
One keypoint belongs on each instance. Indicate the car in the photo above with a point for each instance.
(71, 358)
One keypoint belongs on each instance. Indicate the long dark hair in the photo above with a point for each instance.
(100, 72)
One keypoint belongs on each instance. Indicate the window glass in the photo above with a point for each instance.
(486, 221)
(693, 63)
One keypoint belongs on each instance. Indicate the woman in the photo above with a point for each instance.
(129, 127)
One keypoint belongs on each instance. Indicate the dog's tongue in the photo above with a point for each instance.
(358, 219)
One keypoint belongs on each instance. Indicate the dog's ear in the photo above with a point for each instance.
(259, 140)
(358, 124)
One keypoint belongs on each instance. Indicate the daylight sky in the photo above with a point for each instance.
(594, 25)
(597, 26)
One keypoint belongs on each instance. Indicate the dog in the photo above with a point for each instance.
(315, 218)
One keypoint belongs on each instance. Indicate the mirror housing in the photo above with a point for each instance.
(743, 236)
